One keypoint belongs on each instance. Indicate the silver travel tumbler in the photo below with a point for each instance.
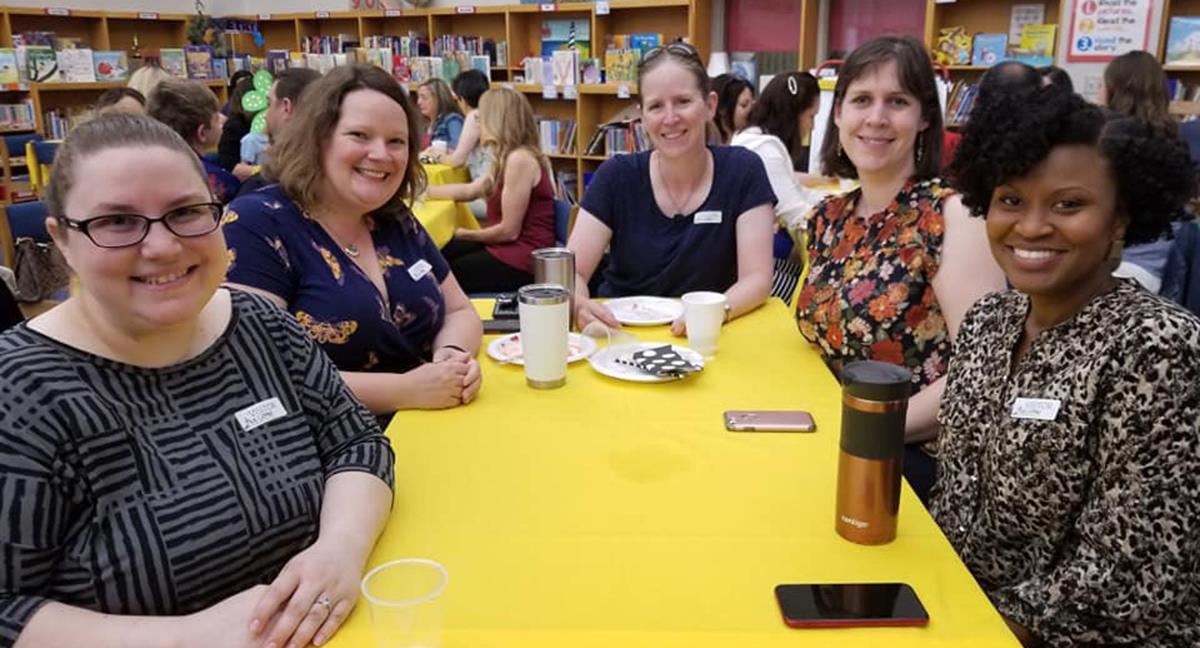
(556, 265)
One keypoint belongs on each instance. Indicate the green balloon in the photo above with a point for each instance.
(259, 123)
(254, 101)
(262, 81)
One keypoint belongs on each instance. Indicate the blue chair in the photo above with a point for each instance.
(22, 220)
(562, 220)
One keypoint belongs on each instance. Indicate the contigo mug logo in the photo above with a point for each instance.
(858, 524)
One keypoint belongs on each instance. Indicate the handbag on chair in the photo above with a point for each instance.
(41, 270)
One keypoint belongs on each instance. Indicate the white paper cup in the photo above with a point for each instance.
(545, 312)
(404, 598)
(439, 146)
(704, 313)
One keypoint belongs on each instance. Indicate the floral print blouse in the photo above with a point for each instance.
(869, 292)
(1081, 520)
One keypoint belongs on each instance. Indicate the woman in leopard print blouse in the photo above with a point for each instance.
(1070, 456)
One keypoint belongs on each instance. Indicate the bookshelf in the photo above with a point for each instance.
(1184, 79)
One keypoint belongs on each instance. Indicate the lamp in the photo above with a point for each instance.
(718, 64)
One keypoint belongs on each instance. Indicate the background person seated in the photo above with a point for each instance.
(191, 110)
(282, 101)
(520, 218)
(436, 104)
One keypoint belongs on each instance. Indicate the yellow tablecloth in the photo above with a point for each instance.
(609, 514)
(440, 174)
(440, 218)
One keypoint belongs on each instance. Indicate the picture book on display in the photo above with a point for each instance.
(199, 62)
(483, 63)
(8, 66)
(1183, 41)
(953, 46)
(111, 66)
(565, 65)
(41, 63)
(277, 60)
(76, 65)
(989, 49)
(174, 61)
(1036, 47)
(566, 33)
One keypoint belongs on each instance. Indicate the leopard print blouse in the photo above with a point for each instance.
(1085, 528)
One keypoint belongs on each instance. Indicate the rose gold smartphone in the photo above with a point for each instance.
(768, 421)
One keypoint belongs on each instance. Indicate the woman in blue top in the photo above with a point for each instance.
(335, 244)
(681, 218)
(440, 110)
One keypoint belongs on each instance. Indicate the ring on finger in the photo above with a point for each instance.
(324, 601)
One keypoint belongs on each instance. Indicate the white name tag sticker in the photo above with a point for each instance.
(419, 269)
(1036, 409)
(707, 218)
(260, 414)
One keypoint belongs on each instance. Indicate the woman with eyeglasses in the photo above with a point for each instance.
(897, 262)
(181, 465)
(683, 217)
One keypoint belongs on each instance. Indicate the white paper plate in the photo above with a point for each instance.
(645, 311)
(507, 348)
(605, 362)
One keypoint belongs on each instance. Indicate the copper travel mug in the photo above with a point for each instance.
(871, 461)
(556, 265)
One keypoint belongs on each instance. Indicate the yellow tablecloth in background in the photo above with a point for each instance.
(439, 217)
(608, 513)
(440, 174)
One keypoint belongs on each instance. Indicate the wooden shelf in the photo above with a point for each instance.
(594, 158)
(1181, 68)
(560, 156)
(605, 88)
(106, 85)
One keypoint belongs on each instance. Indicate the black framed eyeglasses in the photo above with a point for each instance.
(124, 230)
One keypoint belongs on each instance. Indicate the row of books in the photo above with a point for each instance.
(469, 46)
(557, 136)
(1035, 47)
(57, 123)
(328, 44)
(959, 102)
(17, 116)
(566, 184)
(617, 138)
(413, 44)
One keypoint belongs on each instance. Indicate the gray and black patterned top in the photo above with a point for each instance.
(1083, 526)
(129, 490)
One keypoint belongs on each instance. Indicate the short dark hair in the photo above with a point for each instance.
(778, 109)
(470, 85)
(291, 82)
(239, 91)
(238, 76)
(1057, 76)
(183, 105)
(1152, 169)
(112, 96)
(729, 87)
(916, 78)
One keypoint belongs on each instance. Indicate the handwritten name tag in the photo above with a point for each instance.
(1036, 409)
(419, 269)
(707, 218)
(260, 414)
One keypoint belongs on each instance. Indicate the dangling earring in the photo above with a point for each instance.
(920, 147)
(1116, 249)
(840, 153)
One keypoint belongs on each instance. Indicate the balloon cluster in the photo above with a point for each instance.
(255, 102)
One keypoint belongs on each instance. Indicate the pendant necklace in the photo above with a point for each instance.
(351, 249)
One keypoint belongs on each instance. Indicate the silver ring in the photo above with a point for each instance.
(324, 602)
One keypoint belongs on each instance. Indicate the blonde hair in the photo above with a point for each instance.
(146, 78)
(508, 124)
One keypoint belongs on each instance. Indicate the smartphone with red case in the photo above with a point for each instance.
(769, 421)
(850, 605)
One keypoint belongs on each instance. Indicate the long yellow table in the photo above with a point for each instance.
(439, 217)
(440, 174)
(610, 514)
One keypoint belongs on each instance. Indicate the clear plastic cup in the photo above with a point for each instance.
(404, 598)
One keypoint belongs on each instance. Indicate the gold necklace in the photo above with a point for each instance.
(351, 249)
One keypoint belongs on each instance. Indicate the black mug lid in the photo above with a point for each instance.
(876, 381)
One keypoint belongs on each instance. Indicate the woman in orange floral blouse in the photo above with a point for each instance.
(896, 263)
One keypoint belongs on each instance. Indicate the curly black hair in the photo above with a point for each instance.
(1010, 135)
